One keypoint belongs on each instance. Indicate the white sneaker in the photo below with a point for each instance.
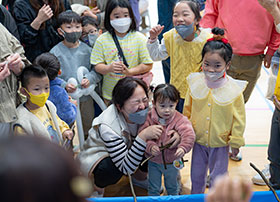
(95, 194)
(238, 157)
(257, 179)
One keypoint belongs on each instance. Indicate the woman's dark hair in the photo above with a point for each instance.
(111, 5)
(88, 20)
(166, 91)
(57, 6)
(31, 71)
(218, 46)
(34, 169)
(124, 89)
(50, 63)
(195, 7)
(67, 17)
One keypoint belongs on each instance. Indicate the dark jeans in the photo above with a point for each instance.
(274, 150)
(106, 173)
(180, 105)
(166, 69)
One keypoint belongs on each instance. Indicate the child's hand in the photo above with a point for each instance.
(89, 13)
(85, 83)
(117, 67)
(95, 10)
(44, 13)
(70, 88)
(155, 150)
(155, 31)
(4, 71)
(126, 71)
(73, 101)
(68, 134)
(180, 153)
(234, 151)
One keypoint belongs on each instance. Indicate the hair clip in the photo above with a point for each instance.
(218, 38)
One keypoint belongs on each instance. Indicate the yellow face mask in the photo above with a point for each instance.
(39, 100)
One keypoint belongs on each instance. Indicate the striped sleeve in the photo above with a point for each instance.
(125, 159)
(97, 53)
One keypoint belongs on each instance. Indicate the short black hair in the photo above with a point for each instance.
(50, 63)
(88, 20)
(124, 89)
(110, 6)
(67, 17)
(31, 71)
(166, 91)
(223, 49)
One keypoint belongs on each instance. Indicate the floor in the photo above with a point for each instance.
(258, 114)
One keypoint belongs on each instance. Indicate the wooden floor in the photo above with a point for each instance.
(258, 116)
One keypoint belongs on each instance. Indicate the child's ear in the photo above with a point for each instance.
(228, 65)
(60, 32)
(23, 91)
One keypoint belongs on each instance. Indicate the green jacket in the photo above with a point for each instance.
(8, 88)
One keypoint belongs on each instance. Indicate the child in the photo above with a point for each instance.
(163, 113)
(120, 23)
(90, 30)
(215, 105)
(183, 44)
(37, 116)
(72, 54)
(66, 109)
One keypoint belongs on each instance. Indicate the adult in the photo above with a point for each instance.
(37, 24)
(11, 65)
(35, 170)
(273, 7)
(114, 148)
(250, 30)
(8, 21)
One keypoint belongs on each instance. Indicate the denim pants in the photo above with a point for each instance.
(216, 159)
(155, 172)
(274, 150)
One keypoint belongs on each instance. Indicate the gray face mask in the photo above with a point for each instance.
(184, 30)
(90, 39)
(139, 117)
(71, 37)
(213, 76)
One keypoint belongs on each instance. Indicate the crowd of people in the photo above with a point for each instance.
(51, 51)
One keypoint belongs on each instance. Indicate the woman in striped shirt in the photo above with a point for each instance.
(114, 148)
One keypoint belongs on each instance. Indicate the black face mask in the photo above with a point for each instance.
(71, 37)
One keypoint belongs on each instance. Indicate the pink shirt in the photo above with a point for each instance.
(248, 26)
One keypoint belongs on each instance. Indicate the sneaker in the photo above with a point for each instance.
(238, 157)
(96, 194)
(257, 179)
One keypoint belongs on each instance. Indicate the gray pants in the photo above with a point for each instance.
(274, 150)
(246, 68)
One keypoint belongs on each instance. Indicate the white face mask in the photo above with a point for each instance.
(121, 25)
(213, 76)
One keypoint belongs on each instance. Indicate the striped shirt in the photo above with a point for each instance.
(106, 52)
(125, 157)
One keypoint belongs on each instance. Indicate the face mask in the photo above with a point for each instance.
(39, 100)
(121, 25)
(90, 39)
(213, 76)
(184, 30)
(139, 117)
(71, 37)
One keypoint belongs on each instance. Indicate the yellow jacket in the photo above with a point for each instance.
(185, 57)
(217, 115)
